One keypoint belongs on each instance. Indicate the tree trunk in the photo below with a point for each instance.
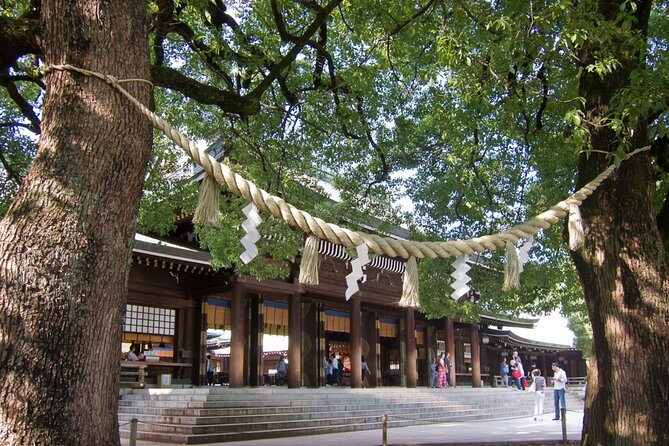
(624, 276)
(67, 238)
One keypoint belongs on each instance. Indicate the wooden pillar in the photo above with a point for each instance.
(312, 350)
(430, 350)
(371, 346)
(476, 355)
(450, 348)
(295, 340)
(544, 370)
(485, 363)
(202, 343)
(403, 351)
(238, 336)
(356, 341)
(410, 340)
(256, 329)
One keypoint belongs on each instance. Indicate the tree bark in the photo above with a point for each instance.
(624, 276)
(66, 240)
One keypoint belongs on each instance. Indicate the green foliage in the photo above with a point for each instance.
(469, 110)
(276, 249)
(579, 323)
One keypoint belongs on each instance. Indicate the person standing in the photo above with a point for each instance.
(515, 374)
(328, 373)
(504, 371)
(559, 389)
(441, 372)
(433, 370)
(447, 364)
(365, 370)
(340, 371)
(335, 369)
(209, 370)
(539, 384)
(281, 369)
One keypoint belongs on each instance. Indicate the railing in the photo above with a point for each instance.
(133, 373)
(573, 381)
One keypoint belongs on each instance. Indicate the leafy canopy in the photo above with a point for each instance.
(470, 110)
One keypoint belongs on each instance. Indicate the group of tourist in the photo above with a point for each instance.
(441, 371)
(334, 370)
(514, 372)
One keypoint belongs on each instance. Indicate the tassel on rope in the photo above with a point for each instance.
(575, 226)
(207, 211)
(357, 274)
(252, 236)
(461, 279)
(309, 263)
(524, 252)
(511, 269)
(410, 297)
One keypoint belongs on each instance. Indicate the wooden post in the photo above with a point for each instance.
(450, 347)
(295, 341)
(430, 350)
(476, 355)
(384, 418)
(238, 336)
(356, 342)
(371, 347)
(410, 334)
(133, 432)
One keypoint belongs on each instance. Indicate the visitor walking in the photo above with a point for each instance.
(559, 389)
(504, 371)
(539, 387)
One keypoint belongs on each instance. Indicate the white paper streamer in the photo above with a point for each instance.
(524, 252)
(461, 278)
(252, 235)
(356, 274)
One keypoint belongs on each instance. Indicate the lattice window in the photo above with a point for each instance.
(151, 320)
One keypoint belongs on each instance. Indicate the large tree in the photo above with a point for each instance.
(67, 236)
(496, 109)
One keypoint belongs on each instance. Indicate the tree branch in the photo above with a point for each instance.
(11, 173)
(18, 37)
(227, 101)
(299, 43)
(400, 26)
(21, 103)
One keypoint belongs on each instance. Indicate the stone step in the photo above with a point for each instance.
(219, 414)
(306, 417)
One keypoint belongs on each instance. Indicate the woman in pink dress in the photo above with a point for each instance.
(441, 372)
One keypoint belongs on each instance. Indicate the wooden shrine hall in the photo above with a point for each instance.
(174, 296)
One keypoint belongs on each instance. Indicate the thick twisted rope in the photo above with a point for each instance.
(342, 236)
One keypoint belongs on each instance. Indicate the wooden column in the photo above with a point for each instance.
(256, 329)
(238, 336)
(295, 341)
(430, 350)
(371, 346)
(356, 341)
(476, 355)
(312, 352)
(450, 347)
(410, 340)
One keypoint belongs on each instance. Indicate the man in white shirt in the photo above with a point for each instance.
(559, 389)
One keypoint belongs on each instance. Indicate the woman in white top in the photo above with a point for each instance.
(539, 385)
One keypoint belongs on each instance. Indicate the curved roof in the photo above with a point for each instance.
(511, 339)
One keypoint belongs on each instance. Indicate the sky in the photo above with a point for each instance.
(551, 328)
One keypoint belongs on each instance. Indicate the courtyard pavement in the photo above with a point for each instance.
(523, 429)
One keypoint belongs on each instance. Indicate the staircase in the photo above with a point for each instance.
(219, 414)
